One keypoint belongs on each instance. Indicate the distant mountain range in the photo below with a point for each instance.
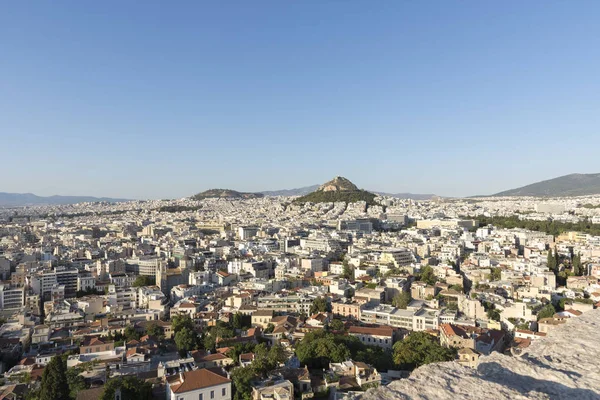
(30, 199)
(291, 192)
(568, 185)
(226, 194)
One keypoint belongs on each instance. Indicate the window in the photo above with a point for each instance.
(201, 396)
(223, 392)
(212, 394)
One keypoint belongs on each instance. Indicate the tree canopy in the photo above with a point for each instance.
(153, 329)
(553, 227)
(546, 312)
(317, 349)
(144, 280)
(182, 321)
(131, 388)
(320, 304)
(266, 359)
(428, 276)
(54, 380)
(420, 348)
(186, 340)
(402, 299)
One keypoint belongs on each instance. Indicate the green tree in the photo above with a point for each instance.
(320, 304)
(276, 356)
(153, 329)
(546, 312)
(428, 276)
(75, 381)
(496, 274)
(317, 349)
(551, 261)
(458, 288)
(578, 269)
(347, 271)
(54, 380)
(493, 314)
(376, 356)
(237, 321)
(402, 299)
(144, 280)
(269, 329)
(420, 348)
(185, 340)
(180, 322)
(130, 333)
(131, 388)
(337, 325)
(242, 378)
(561, 304)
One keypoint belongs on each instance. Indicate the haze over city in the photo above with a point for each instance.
(150, 100)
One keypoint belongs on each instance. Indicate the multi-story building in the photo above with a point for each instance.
(400, 257)
(85, 281)
(144, 265)
(292, 303)
(348, 310)
(44, 281)
(413, 318)
(247, 232)
(356, 225)
(11, 297)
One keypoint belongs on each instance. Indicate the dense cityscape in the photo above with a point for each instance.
(299, 200)
(282, 297)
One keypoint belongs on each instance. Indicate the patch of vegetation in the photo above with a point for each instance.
(554, 228)
(420, 348)
(333, 196)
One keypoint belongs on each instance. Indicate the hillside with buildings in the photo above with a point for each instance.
(568, 185)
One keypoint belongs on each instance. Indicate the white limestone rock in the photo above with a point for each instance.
(563, 365)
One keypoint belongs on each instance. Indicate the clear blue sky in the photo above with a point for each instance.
(164, 99)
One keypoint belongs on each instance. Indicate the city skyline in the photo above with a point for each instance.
(158, 102)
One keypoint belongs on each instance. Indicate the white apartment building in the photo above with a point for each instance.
(123, 298)
(400, 257)
(419, 319)
(11, 297)
(293, 303)
(43, 282)
(86, 282)
(144, 265)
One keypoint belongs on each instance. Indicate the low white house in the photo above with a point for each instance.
(200, 384)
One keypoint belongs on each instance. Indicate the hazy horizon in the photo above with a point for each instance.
(150, 101)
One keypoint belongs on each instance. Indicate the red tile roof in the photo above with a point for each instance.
(194, 380)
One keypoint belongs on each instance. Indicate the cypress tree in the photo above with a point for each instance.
(54, 381)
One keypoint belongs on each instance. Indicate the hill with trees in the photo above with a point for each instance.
(225, 194)
(338, 189)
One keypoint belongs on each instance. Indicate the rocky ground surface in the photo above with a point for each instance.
(563, 365)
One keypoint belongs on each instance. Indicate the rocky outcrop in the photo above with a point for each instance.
(563, 365)
(338, 183)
